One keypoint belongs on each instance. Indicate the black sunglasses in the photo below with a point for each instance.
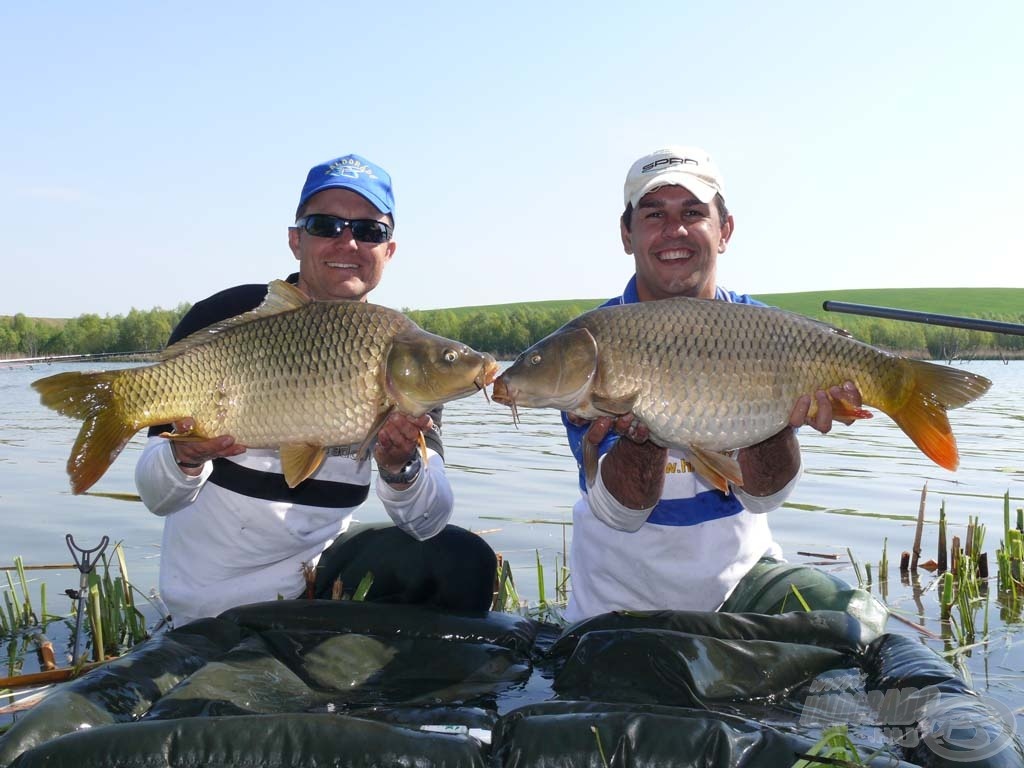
(363, 230)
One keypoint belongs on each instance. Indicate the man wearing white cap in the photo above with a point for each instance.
(651, 534)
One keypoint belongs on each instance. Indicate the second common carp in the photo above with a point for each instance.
(708, 377)
(293, 374)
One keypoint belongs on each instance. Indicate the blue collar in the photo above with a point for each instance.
(630, 296)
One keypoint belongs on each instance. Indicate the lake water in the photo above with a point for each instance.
(516, 486)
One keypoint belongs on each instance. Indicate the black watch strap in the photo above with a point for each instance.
(407, 474)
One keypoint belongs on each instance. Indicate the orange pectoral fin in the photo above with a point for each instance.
(718, 469)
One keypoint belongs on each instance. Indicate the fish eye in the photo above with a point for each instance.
(536, 358)
(450, 355)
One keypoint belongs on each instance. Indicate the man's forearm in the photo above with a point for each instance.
(634, 473)
(769, 465)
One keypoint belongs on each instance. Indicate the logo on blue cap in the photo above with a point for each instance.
(350, 167)
(355, 173)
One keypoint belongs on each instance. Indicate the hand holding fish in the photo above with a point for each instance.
(837, 404)
(191, 455)
(766, 466)
(627, 425)
(398, 440)
(820, 417)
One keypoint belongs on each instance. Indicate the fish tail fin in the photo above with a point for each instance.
(937, 388)
(104, 433)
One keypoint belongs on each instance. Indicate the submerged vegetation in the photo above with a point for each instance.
(111, 624)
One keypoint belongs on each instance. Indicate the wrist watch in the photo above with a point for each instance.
(407, 474)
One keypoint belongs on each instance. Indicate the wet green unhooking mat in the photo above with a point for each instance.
(295, 683)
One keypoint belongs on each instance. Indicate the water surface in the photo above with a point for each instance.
(516, 486)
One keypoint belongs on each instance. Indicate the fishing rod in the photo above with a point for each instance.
(71, 358)
(952, 321)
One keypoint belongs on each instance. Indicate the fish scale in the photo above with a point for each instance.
(710, 377)
(317, 360)
(294, 374)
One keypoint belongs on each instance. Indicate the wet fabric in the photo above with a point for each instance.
(343, 683)
(769, 586)
(571, 733)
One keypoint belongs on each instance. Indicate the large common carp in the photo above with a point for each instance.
(293, 374)
(709, 377)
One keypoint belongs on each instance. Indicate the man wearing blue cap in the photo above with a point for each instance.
(235, 533)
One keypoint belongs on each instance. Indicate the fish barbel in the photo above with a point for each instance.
(293, 374)
(708, 377)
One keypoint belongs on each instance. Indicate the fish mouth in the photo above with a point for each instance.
(503, 394)
(500, 393)
(487, 375)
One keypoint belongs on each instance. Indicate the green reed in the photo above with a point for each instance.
(115, 620)
(1009, 559)
(832, 749)
(112, 621)
(507, 599)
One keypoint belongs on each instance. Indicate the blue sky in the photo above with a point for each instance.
(152, 153)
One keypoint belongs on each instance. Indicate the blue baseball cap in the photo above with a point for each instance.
(355, 173)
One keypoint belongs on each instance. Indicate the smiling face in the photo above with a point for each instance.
(675, 240)
(340, 267)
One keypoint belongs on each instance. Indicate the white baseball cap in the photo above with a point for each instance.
(689, 167)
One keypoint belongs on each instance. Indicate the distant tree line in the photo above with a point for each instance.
(936, 342)
(503, 330)
(139, 330)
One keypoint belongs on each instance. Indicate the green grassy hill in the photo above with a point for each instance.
(968, 302)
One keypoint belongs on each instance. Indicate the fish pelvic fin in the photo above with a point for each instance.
(922, 416)
(299, 461)
(92, 398)
(842, 411)
(718, 469)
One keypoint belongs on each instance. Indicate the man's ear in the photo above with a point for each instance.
(293, 240)
(727, 229)
(627, 238)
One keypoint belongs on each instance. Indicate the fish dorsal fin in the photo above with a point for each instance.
(825, 325)
(281, 297)
(299, 461)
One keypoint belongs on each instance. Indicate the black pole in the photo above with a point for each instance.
(929, 318)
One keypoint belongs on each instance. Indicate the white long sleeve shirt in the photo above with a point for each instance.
(222, 548)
